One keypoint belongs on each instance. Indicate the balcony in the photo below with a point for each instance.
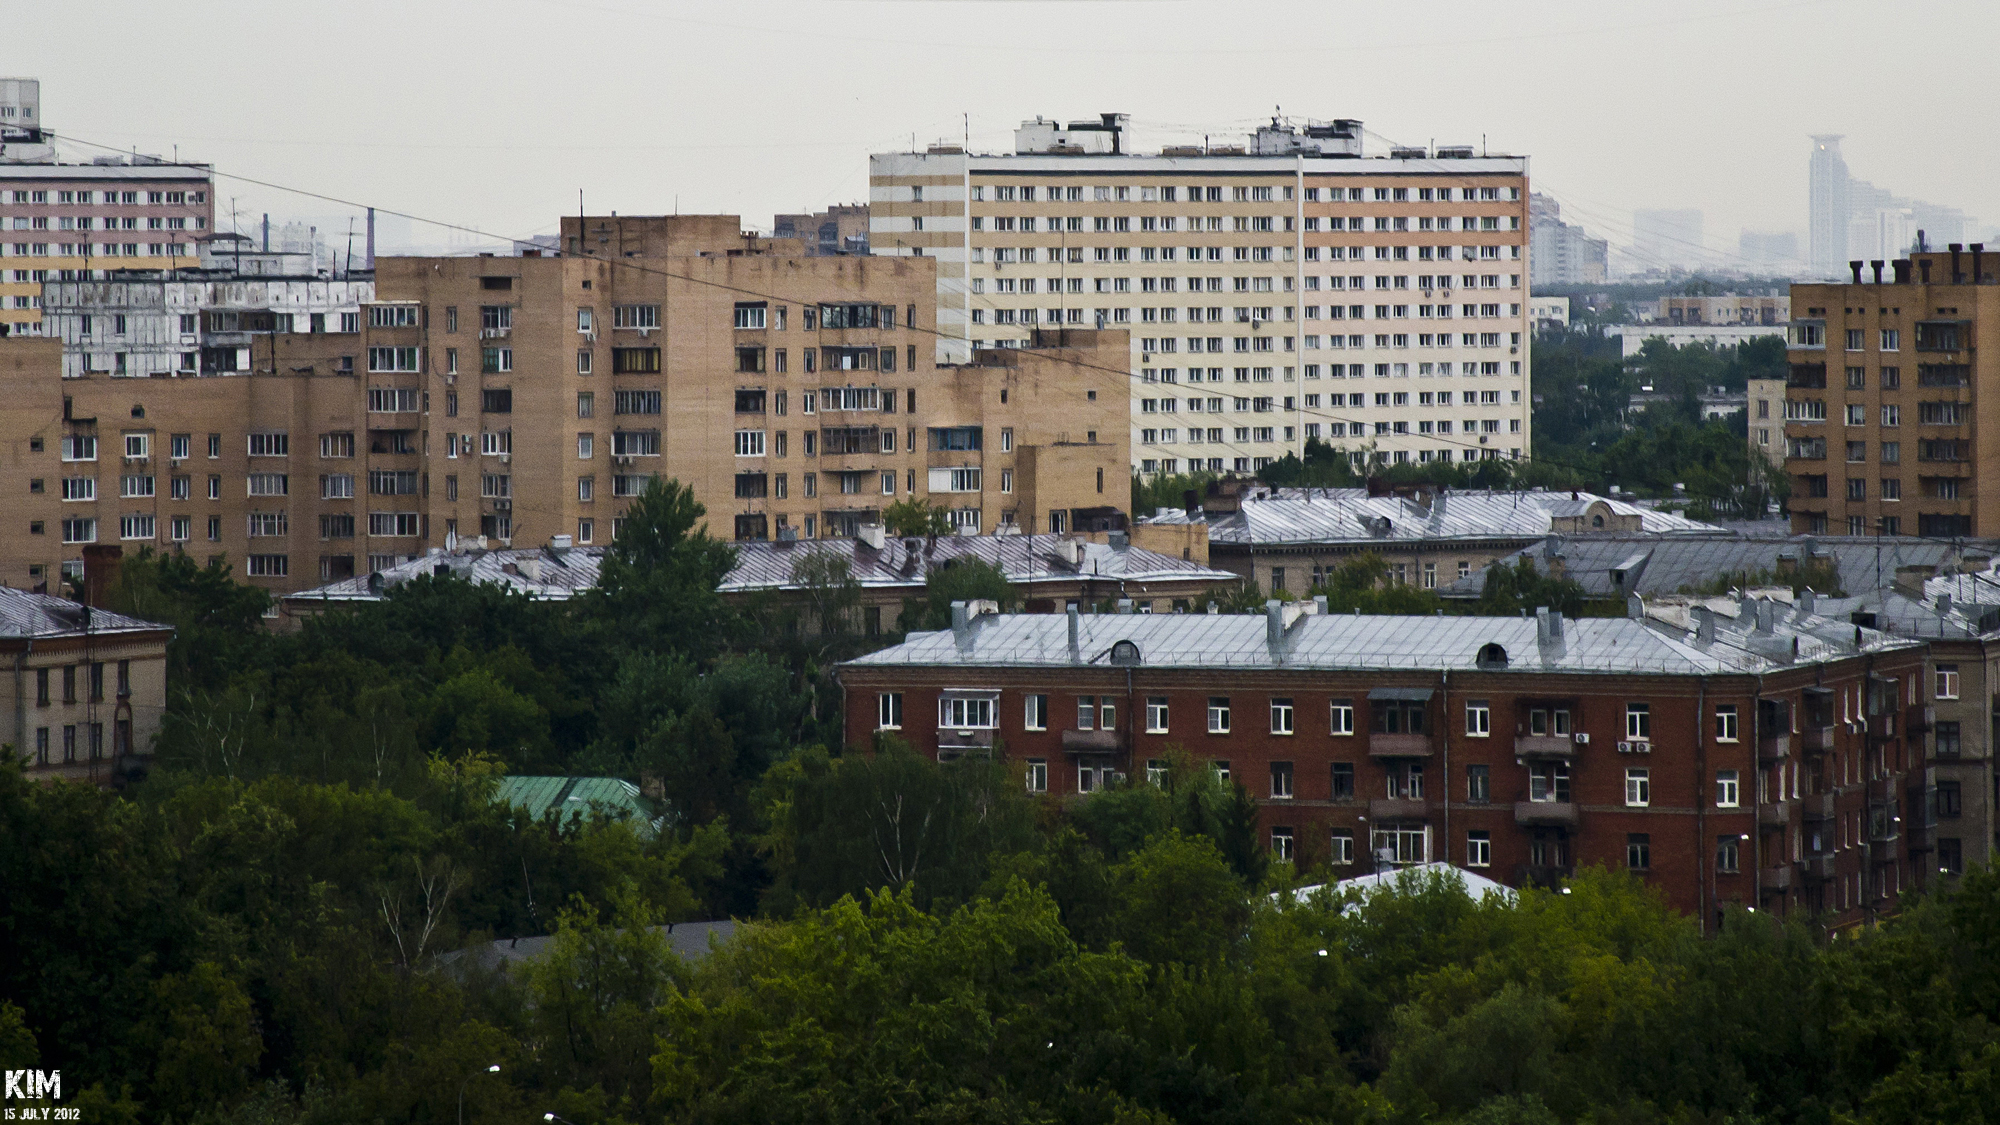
(1776, 814)
(1399, 745)
(1819, 806)
(956, 742)
(1886, 851)
(1882, 728)
(1398, 808)
(1773, 747)
(1775, 880)
(1559, 746)
(1817, 740)
(1921, 718)
(1090, 741)
(1818, 868)
(1551, 813)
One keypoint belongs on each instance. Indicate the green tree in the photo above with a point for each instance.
(957, 580)
(914, 517)
(659, 580)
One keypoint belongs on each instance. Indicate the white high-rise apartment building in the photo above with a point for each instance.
(1280, 290)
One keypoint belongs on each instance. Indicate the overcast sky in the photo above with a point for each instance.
(494, 113)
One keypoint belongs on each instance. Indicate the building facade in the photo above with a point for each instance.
(1563, 253)
(535, 396)
(1335, 291)
(1766, 433)
(88, 688)
(1753, 758)
(1883, 413)
(1731, 309)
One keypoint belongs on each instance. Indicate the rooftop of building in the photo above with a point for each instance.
(905, 562)
(578, 798)
(26, 616)
(141, 169)
(1269, 517)
(1620, 566)
(1283, 139)
(556, 572)
(1675, 636)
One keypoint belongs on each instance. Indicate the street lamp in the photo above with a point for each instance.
(494, 1069)
(553, 1117)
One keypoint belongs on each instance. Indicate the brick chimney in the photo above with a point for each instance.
(101, 564)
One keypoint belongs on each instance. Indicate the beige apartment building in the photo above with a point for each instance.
(530, 398)
(88, 689)
(1883, 415)
(1765, 402)
(1730, 309)
(1282, 289)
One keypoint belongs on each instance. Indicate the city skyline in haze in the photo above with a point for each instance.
(496, 119)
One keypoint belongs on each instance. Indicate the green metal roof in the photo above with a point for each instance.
(579, 797)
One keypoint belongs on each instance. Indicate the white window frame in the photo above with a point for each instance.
(1478, 718)
(1726, 723)
(1478, 848)
(1218, 714)
(1340, 852)
(1340, 718)
(1944, 681)
(1638, 787)
(1728, 789)
(1035, 711)
(1038, 775)
(1157, 713)
(888, 710)
(1283, 716)
(1639, 722)
(977, 712)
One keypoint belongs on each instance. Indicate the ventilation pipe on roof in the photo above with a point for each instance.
(1808, 601)
(1319, 604)
(1549, 631)
(1274, 628)
(1978, 251)
(1635, 607)
(1943, 604)
(1076, 646)
(1704, 624)
(961, 626)
(1876, 265)
(1956, 249)
(1901, 266)
(1856, 265)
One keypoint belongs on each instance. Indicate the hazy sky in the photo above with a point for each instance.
(494, 113)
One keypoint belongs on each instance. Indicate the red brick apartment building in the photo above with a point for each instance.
(1746, 752)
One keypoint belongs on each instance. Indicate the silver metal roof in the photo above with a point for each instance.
(24, 615)
(1670, 565)
(558, 573)
(1665, 641)
(1023, 558)
(1285, 516)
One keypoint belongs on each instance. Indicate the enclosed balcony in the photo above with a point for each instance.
(1775, 880)
(1397, 808)
(1817, 807)
(1775, 814)
(1090, 741)
(1399, 723)
(1818, 868)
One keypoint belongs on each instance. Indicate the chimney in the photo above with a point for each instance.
(1902, 268)
(1119, 540)
(1191, 501)
(1549, 631)
(871, 534)
(961, 627)
(1704, 624)
(1943, 604)
(1635, 607)
(1213, 609)
(1125, 605)
(559, 542)
(101, 564)
(1978, 252)
(1767, 615)
(1274, 628)
(1854, 265)
(1808, 601)
(1319, 604)
(1076, 646)
(267, 232)
(1956, 249)
(371, 238)
(1876, 265)
(1924, 268)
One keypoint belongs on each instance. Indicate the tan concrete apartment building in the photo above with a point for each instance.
(526, 398)
(88, 688)
(1277, 290)
(1765, 400)
(1729, 309)
(1883, 414)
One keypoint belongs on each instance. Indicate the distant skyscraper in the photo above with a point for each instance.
(1668, 238)
(1561, 253)
(1830, 208)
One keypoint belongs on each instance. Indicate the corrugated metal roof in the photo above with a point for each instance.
(1283, 516)
(1670, 565)
(23, 614)
(905, 562)
(1662, 642)
(579, 797)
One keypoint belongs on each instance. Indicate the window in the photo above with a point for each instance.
(1945, 681)
(393, 400)
(1638, 851)
(1343, 781)
(1478, 849)
(1478, 718)
(1479, 784)
(1945, 739)
(493, 443)
(397, 359)
(1726, 854)
(1281, 844)
(1725, 722)
(1156, 714)
(1038, 775)
(1281, 781)
(334, 445)
(1281, 717)
(889, 710)
(1950, 801)
(269, 566)
(392, 524)
(635, 361)
(749, 314)
(1638, 722)
(633, 402)
(1341, 717)
(966, 712)
(1218, 714)
(1342, 851)
(269, 484)
(1728, 791)
(1638, 787)
(749, 443)
(1037, 717)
